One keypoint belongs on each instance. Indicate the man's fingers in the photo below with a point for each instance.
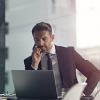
(36, 52)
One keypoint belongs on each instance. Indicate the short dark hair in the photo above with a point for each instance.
(42, 26)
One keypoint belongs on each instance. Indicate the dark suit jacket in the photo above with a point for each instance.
(69, 60)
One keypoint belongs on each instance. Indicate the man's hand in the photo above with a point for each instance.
(36, 56)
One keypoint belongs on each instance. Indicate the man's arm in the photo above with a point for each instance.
(89, 70)
(27, 63)
(33, 62)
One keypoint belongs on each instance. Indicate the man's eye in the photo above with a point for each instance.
(44, 39)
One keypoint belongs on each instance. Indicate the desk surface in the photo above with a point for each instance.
(14, 98)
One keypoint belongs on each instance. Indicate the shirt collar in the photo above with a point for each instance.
(53, 49)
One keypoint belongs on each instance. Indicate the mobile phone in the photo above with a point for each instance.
(35, 46)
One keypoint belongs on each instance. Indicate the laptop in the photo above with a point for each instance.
(35, 84)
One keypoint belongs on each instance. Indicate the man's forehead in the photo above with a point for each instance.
(41, 34)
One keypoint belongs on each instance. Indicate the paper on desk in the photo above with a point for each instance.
(75, 92)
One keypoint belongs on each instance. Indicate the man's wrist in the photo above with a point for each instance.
(35, 67)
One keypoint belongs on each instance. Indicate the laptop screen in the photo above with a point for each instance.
(34, 83)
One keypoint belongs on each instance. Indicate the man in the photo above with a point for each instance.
(67, 59)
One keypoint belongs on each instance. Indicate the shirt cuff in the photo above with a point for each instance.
(34, 67)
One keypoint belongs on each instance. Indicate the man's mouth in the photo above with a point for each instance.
(43, 49)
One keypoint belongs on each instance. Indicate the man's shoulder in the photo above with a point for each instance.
(28, 59)
(66, 48)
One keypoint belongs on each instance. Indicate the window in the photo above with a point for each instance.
(88, 23)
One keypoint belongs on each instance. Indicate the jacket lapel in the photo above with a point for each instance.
(66, 66)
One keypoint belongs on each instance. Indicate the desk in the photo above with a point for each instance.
(14, 98)
(87, 98)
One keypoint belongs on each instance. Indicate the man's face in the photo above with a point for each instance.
(43, 40)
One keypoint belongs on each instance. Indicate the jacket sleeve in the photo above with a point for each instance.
(88, 70)
(27, 63)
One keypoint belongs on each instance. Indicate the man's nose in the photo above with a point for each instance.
(41, 43)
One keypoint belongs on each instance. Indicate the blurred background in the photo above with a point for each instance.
(75, 23)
